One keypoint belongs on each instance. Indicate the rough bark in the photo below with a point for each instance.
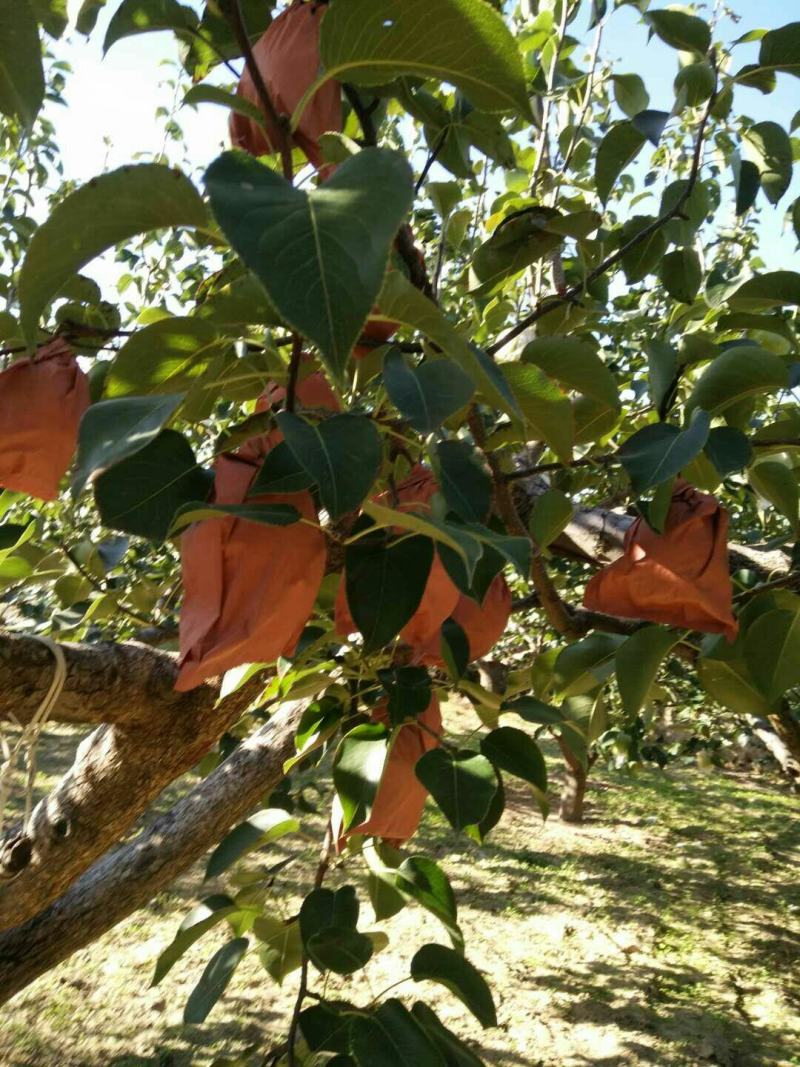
(787, 728)
(153, 736)
(129, 876)
(573, 789)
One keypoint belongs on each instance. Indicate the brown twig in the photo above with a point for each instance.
(233, 12)
(294, 370)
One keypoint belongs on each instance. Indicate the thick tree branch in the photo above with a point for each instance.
(152, 735)
(128, 877)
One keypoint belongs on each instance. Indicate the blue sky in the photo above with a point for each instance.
(112, 101)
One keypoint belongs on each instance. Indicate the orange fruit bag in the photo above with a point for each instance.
(401, 796)
(42, 401)
(679, 578)
(287, 56)
(249, 589)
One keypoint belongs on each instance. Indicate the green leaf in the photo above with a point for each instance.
(777, 483)
(694, 84)
(281, 947)
(513, 751)
(659, 451)
(267, 514)
(735, 374)
(728, 449)
(546, 411)
(643, 258)
(112, 430)
(260, 829)
(165, 357)
(533, 710)
(576, 365)
(630, 93)
(21, 74)
(385, 583)
(771, 149)
(651, 124)
(780, 49)
(662, 370)
(214, 981)
(342, 455)
(339, 949)
(681, 274)
(437, 963)
(425, 882)
(552, 513)
(516, 243)
(462, 783)
(357, 769)
(148, 16)
(464, 480)
(584, 665)
(454, 645)
(52, 14)
(401, 302)
(217, 41)
(327, 907)
(727, 680)
(106, 211)
(141, 494)
(747, 182)
(452, 1047)
(201, 919)
(321, 272)
(324, 1029)
(773, 289)
(213, 94)
(428, 394)
(463, 42)
(679, 30)
(444, 533)
(280, 473)
(772, 652)
(638, 659)
(87, 16)
(619, 147)
(241, 303)
(391, 1037)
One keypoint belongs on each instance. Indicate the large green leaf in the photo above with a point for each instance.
(772, 652)
(339, 949)
(645, 255)
(464, 479)
(619, 147)
(141, 494)
(518, 241)
(148, 16)
(107, 210)
(727, 680)
(552, 511)
(463, 42)
(638, 659)
(513, 751)
(630, 93)
(207, 914)
(428, 394)
(320, 255)
(688, 33)
(21, 75)
(455, 1052)
(462, 783)
(111, 430)
(780, 49)
(165, 357)
(357, 769)
(260, 829)
(266, 514)
(681, 274)
(546, 410)
(438, 963)
(576, 365)
(773, 289)
(385, 583)
(325, 907)
(584, 665)
(777, 483)
(214, 980)
(391, 1037)
(660, 451)
(52, 14)
(342, 455)
(401, 302)
(281, 947)
(737, 373)
(425, 882)
(771, 149)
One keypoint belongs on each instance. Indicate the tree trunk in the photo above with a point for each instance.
(573, 789)
(787, 728)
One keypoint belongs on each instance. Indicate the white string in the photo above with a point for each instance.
(29, 736)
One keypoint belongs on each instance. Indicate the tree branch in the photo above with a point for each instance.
(128, 877)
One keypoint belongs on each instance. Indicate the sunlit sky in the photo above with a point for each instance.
(110, 117)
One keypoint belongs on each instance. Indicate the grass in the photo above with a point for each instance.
(666, 930)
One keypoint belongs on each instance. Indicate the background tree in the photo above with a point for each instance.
(436, 387)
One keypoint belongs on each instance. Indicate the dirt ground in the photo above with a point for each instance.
(666, 930)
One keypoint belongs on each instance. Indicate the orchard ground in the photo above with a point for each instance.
(666, 930)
